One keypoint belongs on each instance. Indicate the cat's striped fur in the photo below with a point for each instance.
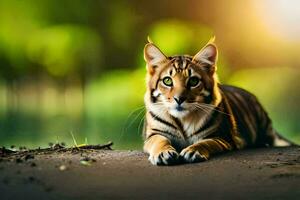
(191, 120)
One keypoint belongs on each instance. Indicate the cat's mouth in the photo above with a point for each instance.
(178, 111)
(180, 108)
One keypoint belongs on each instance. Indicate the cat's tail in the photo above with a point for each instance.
(280, 141)
(274, 139)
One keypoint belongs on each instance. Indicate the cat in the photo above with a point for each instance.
(191, 116)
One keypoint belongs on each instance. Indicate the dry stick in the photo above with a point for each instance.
(99, 146)
(56, 148)
(4, 150)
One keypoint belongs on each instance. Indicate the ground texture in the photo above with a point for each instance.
(272, 173)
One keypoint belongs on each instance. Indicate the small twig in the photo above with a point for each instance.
(99, 146)
(4, 151)
(55, 148)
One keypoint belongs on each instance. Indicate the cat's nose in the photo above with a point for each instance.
(179, 100)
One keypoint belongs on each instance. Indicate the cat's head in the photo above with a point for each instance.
(180, 84)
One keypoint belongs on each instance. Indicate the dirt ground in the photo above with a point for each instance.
(272, 173)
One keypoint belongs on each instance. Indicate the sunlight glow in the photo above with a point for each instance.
(282, 17)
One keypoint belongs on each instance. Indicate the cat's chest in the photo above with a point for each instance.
(195, 129)
(190, 132)
(193, 125)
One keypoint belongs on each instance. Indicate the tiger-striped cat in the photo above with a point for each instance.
(190, 116)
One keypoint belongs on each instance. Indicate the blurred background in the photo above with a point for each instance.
(73, 66)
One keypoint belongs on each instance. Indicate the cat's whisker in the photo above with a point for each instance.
(142, 120)
(204, 109)
(214, 108)
(137, 116)
(135, 110)
(140, 110)
(209, 106)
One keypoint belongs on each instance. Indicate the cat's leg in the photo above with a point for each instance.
(203, 149)
(160, 150)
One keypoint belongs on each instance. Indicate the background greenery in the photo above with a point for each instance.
(74, 66)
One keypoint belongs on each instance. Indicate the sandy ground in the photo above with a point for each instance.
(272, 173)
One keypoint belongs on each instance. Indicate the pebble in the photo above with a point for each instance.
(63, 168)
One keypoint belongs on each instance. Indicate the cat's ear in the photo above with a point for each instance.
(153, 56)
(208, 55)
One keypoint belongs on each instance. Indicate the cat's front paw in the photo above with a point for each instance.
(191, 155)
(164, 157)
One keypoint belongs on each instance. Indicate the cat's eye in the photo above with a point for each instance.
(167, 81)
(193, 81)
